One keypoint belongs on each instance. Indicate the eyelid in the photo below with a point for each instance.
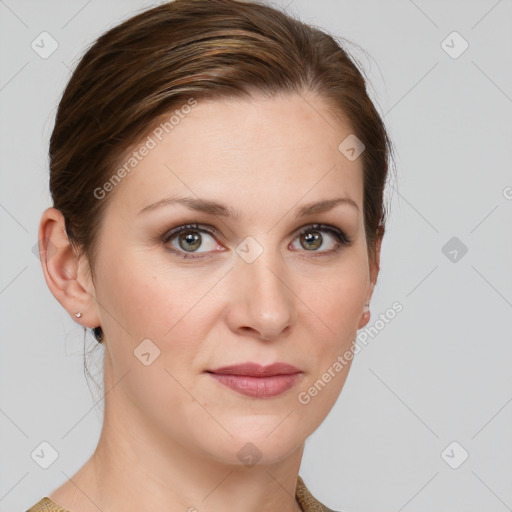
(342, 239)
(209, 229)
(204, 228)
(323, 227)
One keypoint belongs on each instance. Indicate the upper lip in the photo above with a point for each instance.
(256, 370)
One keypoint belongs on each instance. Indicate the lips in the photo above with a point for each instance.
(254, 380)
(256, 370)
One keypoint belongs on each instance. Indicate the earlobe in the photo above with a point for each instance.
(60, 265)
(365, 317)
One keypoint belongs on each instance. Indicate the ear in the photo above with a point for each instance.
(67, 275)
(374, 272)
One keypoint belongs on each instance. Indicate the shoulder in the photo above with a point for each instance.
(46, 505)
(307, 501)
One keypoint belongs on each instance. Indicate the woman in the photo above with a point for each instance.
(217, 173)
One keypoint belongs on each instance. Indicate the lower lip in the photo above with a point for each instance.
(258, 387)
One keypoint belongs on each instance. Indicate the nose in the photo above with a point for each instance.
(262, 302)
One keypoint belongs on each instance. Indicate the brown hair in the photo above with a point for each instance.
(141, 69)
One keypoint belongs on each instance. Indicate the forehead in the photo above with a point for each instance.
(278, 149)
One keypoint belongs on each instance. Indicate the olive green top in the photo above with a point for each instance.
(305, 499)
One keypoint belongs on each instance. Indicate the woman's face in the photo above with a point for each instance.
(242, 284)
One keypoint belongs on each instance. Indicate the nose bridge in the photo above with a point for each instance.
(265, 300)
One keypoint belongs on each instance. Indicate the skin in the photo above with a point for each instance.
(171, 433)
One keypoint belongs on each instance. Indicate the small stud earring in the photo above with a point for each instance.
(78, 315)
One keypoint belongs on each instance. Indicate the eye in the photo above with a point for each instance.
(186, 240)
(189, 238)
(311, 238)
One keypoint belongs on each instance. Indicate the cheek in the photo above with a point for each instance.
(142, 303)
(335, 297)
(334, 311)
(149, 299)
(139, 297)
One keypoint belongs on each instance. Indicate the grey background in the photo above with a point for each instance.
(438, 372)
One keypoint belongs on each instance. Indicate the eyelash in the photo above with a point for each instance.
(342, 240)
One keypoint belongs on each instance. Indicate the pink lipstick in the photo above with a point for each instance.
(258, 381)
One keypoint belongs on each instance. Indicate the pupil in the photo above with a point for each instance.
(193, 241)
(313, 237)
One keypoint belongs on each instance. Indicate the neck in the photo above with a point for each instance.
(137, 467)
(137, 471)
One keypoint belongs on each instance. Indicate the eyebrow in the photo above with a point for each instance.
(215, 208)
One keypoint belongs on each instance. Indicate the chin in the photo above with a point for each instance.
(256, 446)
